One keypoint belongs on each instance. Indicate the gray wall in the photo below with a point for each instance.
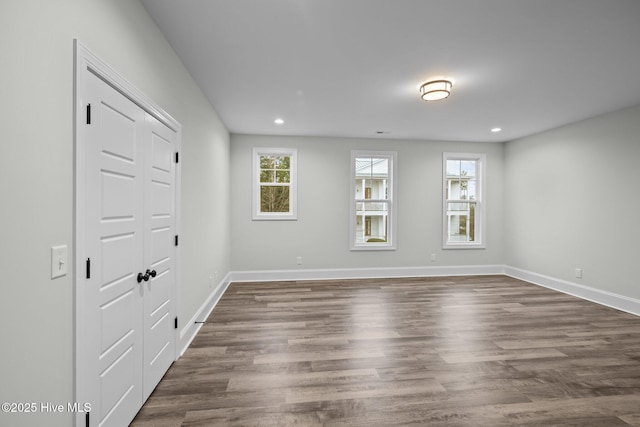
(320, 235)
(555, 201)
(36, 185)
(571, 201)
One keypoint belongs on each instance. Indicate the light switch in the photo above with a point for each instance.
(58, 261)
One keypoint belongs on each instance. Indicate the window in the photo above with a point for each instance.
(372, 223)
(463, 216)
(274, 184)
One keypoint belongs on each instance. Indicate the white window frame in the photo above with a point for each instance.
(479, 227)
(390, 244)
(292, 214)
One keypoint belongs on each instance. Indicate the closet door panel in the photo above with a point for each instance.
(112, 325)
(160, 253)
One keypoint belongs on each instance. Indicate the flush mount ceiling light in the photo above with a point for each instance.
(435, 89)
(278, 121)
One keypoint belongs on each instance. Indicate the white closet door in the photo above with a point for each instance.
(159, 253)
(114, 242)
(128, 321)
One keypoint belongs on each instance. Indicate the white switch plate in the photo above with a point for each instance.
(58, 261)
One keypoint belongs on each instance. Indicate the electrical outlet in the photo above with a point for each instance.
(299, 260)
(433, 257)
(578, 273)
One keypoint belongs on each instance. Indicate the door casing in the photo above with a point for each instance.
(86, 62)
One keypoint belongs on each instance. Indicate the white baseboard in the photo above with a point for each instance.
(609, 299)
(189, 331)
(364, 273)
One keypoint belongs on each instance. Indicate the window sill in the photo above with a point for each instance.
(464, 246)
(373, 248)
(274, 218)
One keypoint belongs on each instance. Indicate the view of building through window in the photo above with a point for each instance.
(372, 202)
(461, 198)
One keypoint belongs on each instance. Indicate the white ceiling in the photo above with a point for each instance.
(353, 67)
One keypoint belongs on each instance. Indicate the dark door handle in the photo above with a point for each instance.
(146, 275)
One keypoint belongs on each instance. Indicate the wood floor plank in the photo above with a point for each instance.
(250, 382)
(442, 351)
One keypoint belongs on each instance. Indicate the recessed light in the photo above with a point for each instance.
(278, 121)
(496, 130)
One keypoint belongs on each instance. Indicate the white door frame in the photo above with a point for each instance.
(86, 62)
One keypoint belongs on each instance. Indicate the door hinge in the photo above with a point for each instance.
(88, 114)
(88, 268)
(175, 323)
(177, 157)
(176, 240)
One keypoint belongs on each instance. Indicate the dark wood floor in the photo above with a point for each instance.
(455, 351)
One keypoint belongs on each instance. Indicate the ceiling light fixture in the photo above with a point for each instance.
(278, 121)
(435, 89)
(495, 130)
